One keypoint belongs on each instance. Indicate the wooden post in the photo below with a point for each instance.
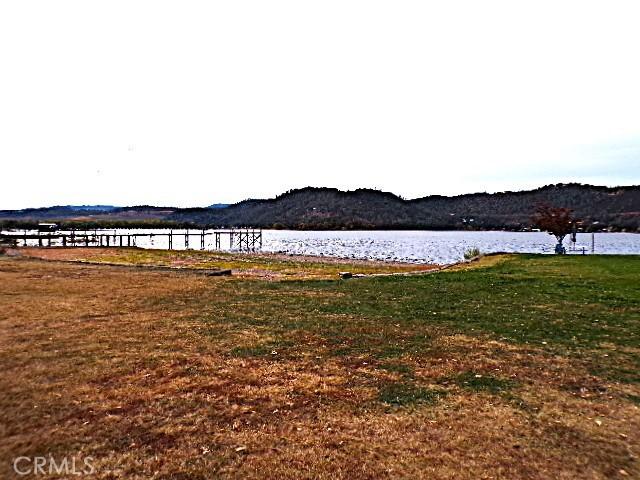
(202, 240)
(171, 239)
(186, 239)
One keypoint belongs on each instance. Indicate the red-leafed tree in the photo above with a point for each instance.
(556, 221)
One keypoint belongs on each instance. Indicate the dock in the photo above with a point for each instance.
(245, 239)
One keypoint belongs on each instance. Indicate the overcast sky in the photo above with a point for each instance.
(190, 103)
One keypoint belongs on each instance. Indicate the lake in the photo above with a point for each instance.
(435, 246)
(406, 246)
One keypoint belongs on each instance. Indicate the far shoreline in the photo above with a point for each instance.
(10, 226)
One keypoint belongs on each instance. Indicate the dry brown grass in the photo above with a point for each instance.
(269, 266)
(482, 261)
(117, 364)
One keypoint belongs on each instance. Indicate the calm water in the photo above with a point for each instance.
(408, 246)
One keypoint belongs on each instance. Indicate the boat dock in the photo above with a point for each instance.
(247, 239)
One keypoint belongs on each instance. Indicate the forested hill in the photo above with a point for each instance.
(328, 208)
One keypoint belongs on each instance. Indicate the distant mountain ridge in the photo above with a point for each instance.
(94, 208)
(616, 208)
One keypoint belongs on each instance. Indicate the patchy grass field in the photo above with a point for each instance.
(249, 265)
(522, 367)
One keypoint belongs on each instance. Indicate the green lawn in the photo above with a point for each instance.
(581, 306)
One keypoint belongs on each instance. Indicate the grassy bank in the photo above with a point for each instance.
(268, 266)
(519, 367)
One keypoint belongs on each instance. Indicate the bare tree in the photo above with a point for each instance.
(556, 221)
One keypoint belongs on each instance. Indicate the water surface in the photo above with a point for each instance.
(406, 246)
(436, 246)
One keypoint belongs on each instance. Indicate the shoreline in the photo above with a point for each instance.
(239, 264)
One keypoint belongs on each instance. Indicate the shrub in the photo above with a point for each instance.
(472, 253)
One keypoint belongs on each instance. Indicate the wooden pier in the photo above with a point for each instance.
(246, 239)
